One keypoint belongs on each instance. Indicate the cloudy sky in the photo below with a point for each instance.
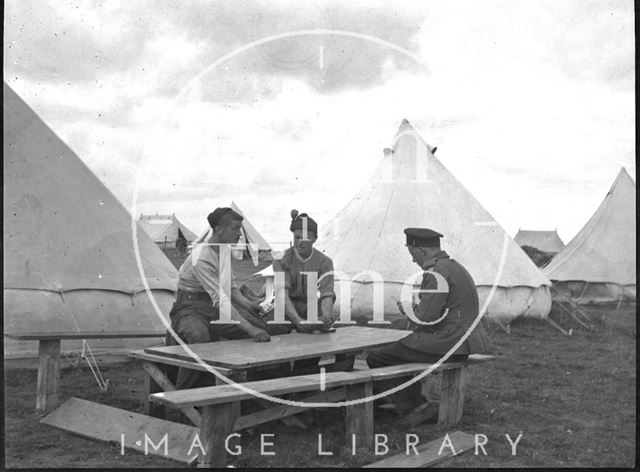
(530, 103)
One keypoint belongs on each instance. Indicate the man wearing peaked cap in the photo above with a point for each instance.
(422, 237)
(448, 305)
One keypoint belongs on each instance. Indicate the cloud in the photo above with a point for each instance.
(523, 112)
(84, 41)
(70, 40)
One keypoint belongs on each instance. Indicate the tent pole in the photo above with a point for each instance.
(556, 326)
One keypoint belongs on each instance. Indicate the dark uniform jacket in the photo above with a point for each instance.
(461, 301)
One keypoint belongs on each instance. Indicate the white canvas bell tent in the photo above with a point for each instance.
(411, 188)
(167, 231)
(251, 236)
(599, 264)
(69, 262)
(545, 241)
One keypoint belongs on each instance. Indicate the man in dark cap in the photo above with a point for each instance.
(202, 295)
(448, 306)
(295, 261)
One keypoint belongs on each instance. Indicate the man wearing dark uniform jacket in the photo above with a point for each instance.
(448, 305)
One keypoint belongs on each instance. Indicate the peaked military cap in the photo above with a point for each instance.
(422, 237)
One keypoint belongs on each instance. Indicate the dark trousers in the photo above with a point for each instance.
(190, 319)
(397, 353)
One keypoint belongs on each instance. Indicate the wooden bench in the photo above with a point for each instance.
(219, 405)
(48, 386)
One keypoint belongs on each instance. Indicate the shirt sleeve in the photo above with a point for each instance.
(206, 271)
(433, 299)
(326, 280)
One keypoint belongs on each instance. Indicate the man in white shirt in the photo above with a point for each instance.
(202, 295)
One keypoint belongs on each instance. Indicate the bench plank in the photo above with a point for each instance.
(105, 423)
(161, 380)
(49, 336)
(279, 386)
(427, 453)
(226, 393)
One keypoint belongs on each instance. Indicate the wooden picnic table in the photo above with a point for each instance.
(235, 359)
(245, 354)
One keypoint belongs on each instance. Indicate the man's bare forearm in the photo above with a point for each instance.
(326, 307)
(244, 324)
(241, 300)
(290, 311)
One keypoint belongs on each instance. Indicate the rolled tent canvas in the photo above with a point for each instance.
(599, 264)
(411, 188)
(69, 261)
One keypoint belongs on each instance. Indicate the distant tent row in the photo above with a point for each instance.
(167, 232)
(69, 261)
(411, 188)
(599, 264)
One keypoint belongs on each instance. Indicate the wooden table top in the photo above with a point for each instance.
(52, 336)
(246, 354)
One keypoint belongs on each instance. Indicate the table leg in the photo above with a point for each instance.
(343, 362)
(360, 416)
(239, 376)
(151, 386)
(156, 377)
(217, 423)
(48, 374)
(452, 396)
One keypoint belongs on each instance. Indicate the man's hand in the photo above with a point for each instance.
(256, 309)
(303, 328)
(326, 321)
(261, 337)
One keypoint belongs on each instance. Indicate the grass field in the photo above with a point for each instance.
(572, 398)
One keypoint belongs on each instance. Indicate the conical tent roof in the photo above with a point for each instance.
(411, 188)
(69, 262)
(604, 251)
(162, 228)
(547, 241)
(250, 233)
